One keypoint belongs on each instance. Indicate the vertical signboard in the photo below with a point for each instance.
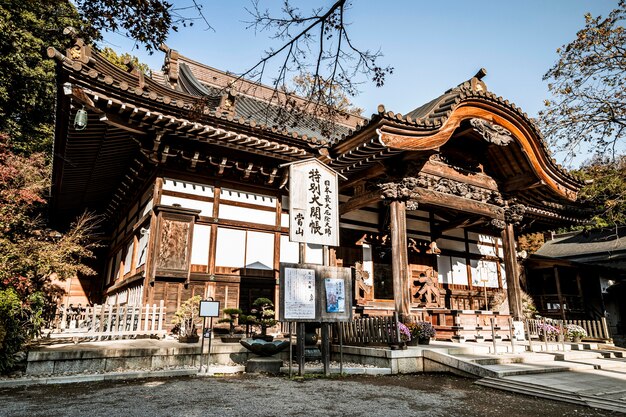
(313, 204)
(299, 293)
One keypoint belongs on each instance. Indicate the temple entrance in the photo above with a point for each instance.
(253, 287)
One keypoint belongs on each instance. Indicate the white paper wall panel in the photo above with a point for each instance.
(288, 250)
(459, 270)
(188, 187)
(205, 207)
(246, 214)
(128, 259)
(313, 254)
(260, 250)
(444, 269)
(245, 197)
(230, 249)
(484, 271)
(200, 245)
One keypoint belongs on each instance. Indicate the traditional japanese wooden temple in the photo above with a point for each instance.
(187, 168)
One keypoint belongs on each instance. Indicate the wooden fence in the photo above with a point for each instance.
(370, 330)
(110, 321)
(596, 329)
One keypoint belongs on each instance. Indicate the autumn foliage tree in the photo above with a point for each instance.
(588, 85)
(30, 254)
(605, 190)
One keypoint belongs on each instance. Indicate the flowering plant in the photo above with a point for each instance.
(405, 333)
(422, 330)
(548, 330)
(574, 330)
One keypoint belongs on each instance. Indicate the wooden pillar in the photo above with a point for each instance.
(400, 259)
(559, 294)
(581, 295)
(511, 267)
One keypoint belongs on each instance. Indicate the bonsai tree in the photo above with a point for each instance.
(263, 313)
(232, 313)
(187, 317)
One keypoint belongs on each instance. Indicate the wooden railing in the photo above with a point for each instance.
(370, 330)
(109, 321)
(596, 329)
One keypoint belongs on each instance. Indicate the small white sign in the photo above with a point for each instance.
(518, 331)
(299, 294)
(209, 308)
(313, 204)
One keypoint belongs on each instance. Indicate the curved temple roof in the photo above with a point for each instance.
(432, 125)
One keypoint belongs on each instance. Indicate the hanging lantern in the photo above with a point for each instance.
(80, 120)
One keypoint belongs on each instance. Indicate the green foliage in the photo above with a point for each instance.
(262, 314)
(588, 85)
(27, 78)
(27, 89)
(232, 313)
(122, 60)
(605, 190)
(20, 320)
(146, 21)
(188, 316)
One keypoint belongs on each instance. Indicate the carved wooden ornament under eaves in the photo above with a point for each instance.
(491, 132)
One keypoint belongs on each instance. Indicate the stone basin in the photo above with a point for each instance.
(263, 348)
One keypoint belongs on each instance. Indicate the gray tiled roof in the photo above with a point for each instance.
(600, 246)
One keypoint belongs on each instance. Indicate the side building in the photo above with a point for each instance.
(188, 169)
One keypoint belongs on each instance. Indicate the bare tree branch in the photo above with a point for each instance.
(588, 86)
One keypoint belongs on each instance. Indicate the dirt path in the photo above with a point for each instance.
(429, 395)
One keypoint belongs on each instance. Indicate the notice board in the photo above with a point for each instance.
(315, 293)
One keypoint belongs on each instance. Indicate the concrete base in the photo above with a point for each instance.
(130, 355)
(264, 365)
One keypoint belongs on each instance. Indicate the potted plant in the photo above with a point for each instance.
(575, 332)
(422, 331)
(547, 331)
(263, 317)
(405, 336)
(233, 314)
(187, 319)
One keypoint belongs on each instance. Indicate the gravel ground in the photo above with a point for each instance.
(431, 395)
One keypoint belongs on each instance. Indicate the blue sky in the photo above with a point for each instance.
(432, 45)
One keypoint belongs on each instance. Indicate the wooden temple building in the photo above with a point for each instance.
(186, 166)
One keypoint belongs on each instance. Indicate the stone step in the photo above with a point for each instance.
(554, 394)
(529, 389)
(584, 346)
(527, 368)
(612, 353)
(575, 355)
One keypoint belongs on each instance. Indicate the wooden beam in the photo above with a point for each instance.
(442, 170)
(359, 201)
(372, 172)
(520, 183)
(457, 203)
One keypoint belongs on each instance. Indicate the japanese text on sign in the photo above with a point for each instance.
(313, 209)
(299, 293)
